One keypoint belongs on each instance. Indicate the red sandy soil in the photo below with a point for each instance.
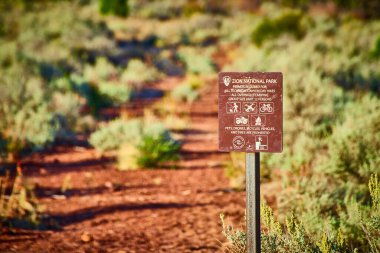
(160, 210)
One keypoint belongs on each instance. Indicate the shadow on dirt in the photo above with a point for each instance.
(91, 212)
(47, 192)
(58, 167)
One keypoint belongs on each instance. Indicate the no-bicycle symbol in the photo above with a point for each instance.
(250, 111)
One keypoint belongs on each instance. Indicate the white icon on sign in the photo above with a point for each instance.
(226, 80)
(258, 120)
(250, 107)
(241, 120)
(261, 142)
(238, 142)
(233, 107)
(249, 147)
(267, 107)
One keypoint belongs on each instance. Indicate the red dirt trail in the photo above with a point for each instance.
(160, 210)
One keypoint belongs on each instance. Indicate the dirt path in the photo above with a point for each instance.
(107, 210)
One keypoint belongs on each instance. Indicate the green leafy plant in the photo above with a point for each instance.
(289, 22)
(137, 142)
(115, 7)
(375, 52)
(156, 150)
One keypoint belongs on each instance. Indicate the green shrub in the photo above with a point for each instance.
(63, 33)
(101, 71)
(368, 9)
(188, 90)
(375, 52)
(164, 9)
(354, 146)
(113, 134)
(139, 143)
(197, 61)
(91, 93)
(331, 135)
(115, 7)
(237, 239)
(289, 22)
(115, 92)
(102, 85)
(156, 150)
(27, 121)
(138, 73)
(294, 236)
(201, 29)
(67, 109)
(185, 93)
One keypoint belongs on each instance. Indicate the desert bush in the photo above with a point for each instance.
(102, 70)
(115, 7)
(351, 157)
(66, 107)
(247, 24)
(185, 93)
(157, 9)
(188, 90)
(375, 52)
(51, 40)
(197, 61)
(330, 133)
(311, 112)
(139, 143)
(167, 63)
(18, 205)
(117, 93)
(289, 22)
(103, 82)
(237, 239)
(358, 231)
(354, 146)
(156, 150)
(113, 134)
(367, 9)
(202, 29)
(27, 120)
(101, 85)
(138, 73)
(59, 33)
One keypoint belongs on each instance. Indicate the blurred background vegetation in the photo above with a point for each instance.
(63, 62)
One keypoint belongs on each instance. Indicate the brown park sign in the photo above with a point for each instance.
(250, 111)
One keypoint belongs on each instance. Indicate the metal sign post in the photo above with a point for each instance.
(252, 186)
(250, 120)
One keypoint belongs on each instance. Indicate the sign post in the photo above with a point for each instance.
(250, 121)
(252, 193)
